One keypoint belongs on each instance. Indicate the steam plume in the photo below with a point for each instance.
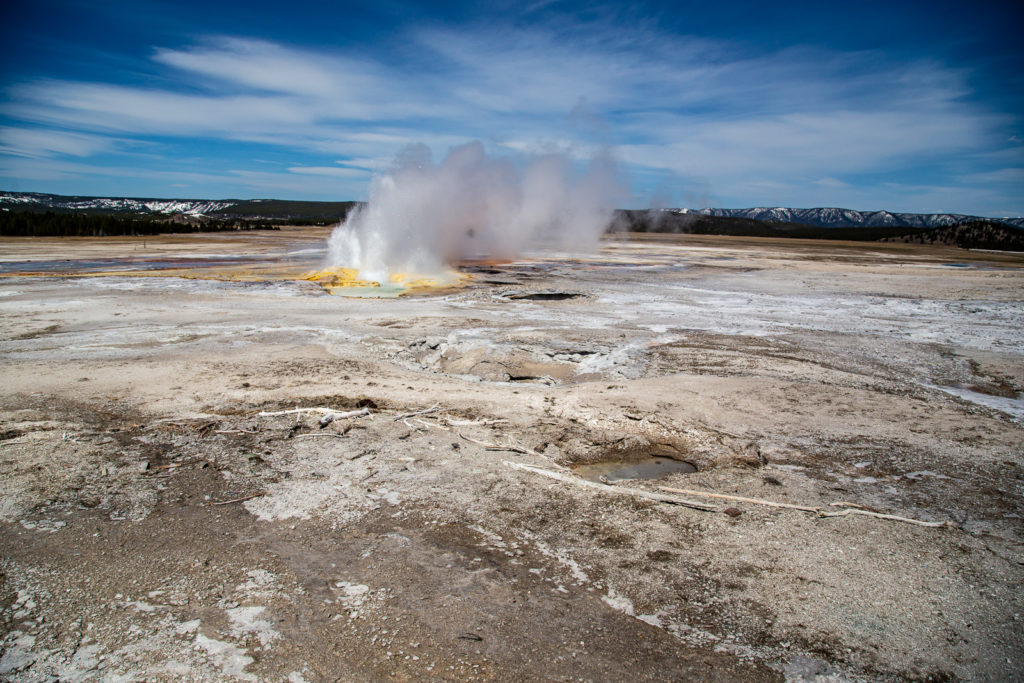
(422, 216)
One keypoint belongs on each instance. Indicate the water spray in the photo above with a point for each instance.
(423, 219)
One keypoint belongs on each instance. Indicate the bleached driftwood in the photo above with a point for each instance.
(236, 500)
(858, 510)
(741, 499)
(512, 447)
(619, 490)
(338, 414)
(472, 423)
(432, 425)
(413, 427)
(851, 508)
(426, 411)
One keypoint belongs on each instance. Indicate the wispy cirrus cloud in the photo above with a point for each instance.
(330, 171)
(744, 123)
(35, 142)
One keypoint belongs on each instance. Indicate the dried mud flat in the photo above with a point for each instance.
(153, 526)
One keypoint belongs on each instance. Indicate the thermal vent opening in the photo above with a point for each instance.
(543, 296)
(657, 461)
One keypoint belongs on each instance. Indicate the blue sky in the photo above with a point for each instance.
(872, 105)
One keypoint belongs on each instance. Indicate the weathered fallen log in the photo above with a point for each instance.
(851, 508)
(741, 499)
(337, 414)
(881, 515)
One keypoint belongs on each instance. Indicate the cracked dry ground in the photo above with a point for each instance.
(156, 527)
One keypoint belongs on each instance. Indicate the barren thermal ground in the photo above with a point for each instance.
(480, 492)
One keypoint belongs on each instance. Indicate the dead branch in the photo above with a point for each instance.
(172, 466)
(432, 425)
(237, 431)
(205, 429)
(338, 414)
(472, 423)
(881, 515)
(851, 508)
(413, 427)
(426, 411)
(180, 422)
(741, 499)
(236, 500)
(331, 434)
(514, 448)
(331, 417)
(621, 490)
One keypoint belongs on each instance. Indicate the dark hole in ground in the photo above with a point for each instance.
(544, 296)
(649, 467)
(485, 271)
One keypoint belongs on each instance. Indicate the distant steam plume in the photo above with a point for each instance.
(423, 217)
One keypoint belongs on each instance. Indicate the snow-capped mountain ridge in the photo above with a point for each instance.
(188, 207)
(832, 217)
(829, 217)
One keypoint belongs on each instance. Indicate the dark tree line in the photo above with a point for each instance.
(644, 220)
(970, 235)
(50, 224)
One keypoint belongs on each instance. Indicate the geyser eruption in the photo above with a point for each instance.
(423, 218)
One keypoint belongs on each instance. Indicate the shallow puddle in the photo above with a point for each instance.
(1012, 406)
(647, 468)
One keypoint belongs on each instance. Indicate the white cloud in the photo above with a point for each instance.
(806, 144)
(335, 171)
(38, 142)
(266, 66)
(680, 107)
(1013, 176)
(212, 184)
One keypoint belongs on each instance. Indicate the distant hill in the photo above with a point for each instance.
(252, 209)
(282, 209)
(668, 221)
(969, 235)
(33, 213)
(848, 218)
(974, 234)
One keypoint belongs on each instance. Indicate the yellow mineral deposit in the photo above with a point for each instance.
(346, 282)
(338, 277)
(335, 279)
